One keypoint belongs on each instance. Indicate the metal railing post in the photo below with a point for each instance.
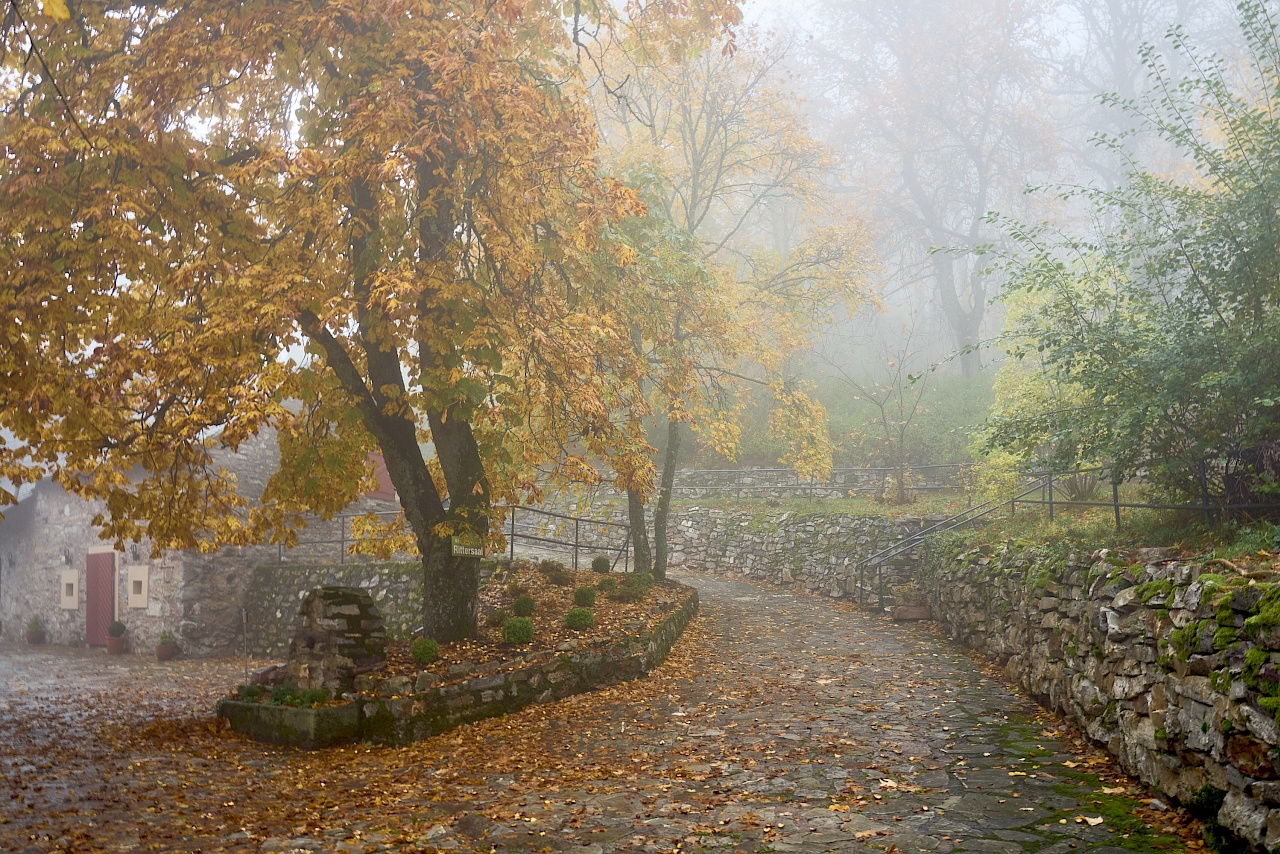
(342, 540)
(1049, 483)
(880, 581)
(575, 543)
(512, 544)
(1115, 500)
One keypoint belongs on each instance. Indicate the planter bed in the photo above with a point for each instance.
(401, 710)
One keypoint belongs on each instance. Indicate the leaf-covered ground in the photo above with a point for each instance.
(615, 618)
(780, 723)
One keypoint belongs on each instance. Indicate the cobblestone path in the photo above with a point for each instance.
(780, 723)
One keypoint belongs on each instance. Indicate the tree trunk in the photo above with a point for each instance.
(639, 532)
(451, 589)
(663, 506)
(964, 319)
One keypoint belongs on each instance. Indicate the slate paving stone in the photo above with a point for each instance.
(804, 726)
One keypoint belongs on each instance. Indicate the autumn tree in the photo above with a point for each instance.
(713, 140)
(368, 226)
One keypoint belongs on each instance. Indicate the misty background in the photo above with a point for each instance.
(933, 114)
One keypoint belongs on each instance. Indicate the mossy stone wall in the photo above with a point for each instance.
(1172, 665)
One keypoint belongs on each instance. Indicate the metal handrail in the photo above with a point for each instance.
(621, 553)
(910, 542)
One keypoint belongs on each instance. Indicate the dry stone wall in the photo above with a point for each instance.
(819, 553)
(1171, 665)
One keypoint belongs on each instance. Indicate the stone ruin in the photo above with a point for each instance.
(337, 635)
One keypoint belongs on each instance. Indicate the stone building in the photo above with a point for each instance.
(54, 566)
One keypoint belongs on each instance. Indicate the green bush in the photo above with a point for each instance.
(607, 585)
(287, 694)
(496, 618)
(556, 573)
(579, 619)
(425, 651)
(601, 564)
(634, 587)
(517, 630)
(116, 629)
(524, 606)
(584, 597)
(167, 637)
(280, 693)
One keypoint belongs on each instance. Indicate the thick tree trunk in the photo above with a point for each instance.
(451, 589)
(639, 532)
(964, 319)
(662, 508)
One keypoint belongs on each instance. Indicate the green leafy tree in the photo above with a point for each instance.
(1165, 329)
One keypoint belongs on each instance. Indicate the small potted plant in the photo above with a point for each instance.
(166, 646)
(115, 637)
(35, 631)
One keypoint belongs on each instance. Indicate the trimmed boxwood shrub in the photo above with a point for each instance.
(524, 606)
(556, 573)
(584, 597)
(634, 587)
(606, 585)
(601, 564)
(579, 619)
(496, 618)
(425, 651)
(518, 630)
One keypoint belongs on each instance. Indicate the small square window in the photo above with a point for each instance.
(70, 589)
(137, 587)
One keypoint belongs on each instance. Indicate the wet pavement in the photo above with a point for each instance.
(781, 723)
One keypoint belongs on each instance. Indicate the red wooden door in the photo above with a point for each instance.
(100, 594)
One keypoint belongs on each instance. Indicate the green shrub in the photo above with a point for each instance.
(579, 619)
(166, 637)
(607, 585)
(517, 630)
(116, 629)
(584, 597)
(634, 587)
(524, 606)
(251, 693)
(289, 694)
(556, 573)
(601, 564)
(425, 651)
(496, 618)
(280, 693)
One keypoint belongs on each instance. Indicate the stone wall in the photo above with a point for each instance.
(499, 689)
(402, 710)
(1171, 666)
(815, 552)
(277, 589)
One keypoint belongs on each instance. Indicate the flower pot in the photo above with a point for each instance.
(166, 651)
(115, 646)
(35, 637)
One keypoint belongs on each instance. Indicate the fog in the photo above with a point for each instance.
(935, 116)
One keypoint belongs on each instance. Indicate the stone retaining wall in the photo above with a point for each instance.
(815, 552)
(276, 590)
(411, 712)
(1172, 667)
